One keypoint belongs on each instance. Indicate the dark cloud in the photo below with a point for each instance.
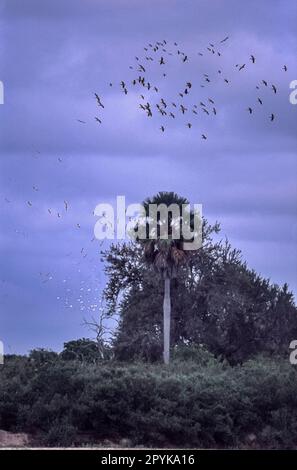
(55, 55)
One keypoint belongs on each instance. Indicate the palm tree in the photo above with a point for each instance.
(166, 255)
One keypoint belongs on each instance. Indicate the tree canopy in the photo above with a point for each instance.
(217, 302)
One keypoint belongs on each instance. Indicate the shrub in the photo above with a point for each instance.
(198, 402)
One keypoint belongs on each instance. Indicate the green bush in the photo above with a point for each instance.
(195, 402)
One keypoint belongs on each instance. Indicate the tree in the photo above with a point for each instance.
(165, 252)
(217, 301)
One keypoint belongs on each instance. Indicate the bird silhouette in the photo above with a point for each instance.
(250, 110)
(225, 39)
(285, 68)
(203, 136)
(99, 100)
(260, 101)
(264, 82)
(274, 88)
(98, 120)
(272, 116)
(241, 67)
(253, 59)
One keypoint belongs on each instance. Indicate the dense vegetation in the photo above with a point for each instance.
(229, 384)
(216, 301)
(196, 401)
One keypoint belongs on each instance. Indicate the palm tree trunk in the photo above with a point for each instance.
(166, 314)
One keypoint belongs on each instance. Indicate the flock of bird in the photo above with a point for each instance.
(179, 105)
(182, 106)
(83, 259)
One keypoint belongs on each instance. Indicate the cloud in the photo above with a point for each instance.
(56, 56)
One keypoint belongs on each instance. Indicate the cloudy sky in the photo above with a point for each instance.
(54, 56)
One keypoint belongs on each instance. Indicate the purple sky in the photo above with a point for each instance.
(54, 55)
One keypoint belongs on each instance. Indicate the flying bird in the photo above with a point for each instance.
(285, 68)
(264, 82)
(241, 67)
(98, 100)
(250, 110)
(253, 59)
(274, 88)
(82, 122)
(98, 120)
(272, 117)
(203, 136)
(260, 101)
(225, 39)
